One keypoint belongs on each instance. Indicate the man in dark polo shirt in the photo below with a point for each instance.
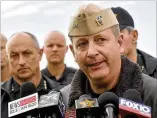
(147, 62)
(24, 55)
(55, 49)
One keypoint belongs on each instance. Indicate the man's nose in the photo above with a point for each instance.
(92, 50)
(22, 60)
(55, 48)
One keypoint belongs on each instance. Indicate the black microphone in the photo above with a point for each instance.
(87, 107)
(51, 105)
(27, 88)
(25, 107)
(109, 104)
(134, 95)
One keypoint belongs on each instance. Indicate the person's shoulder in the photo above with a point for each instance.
(71, 69)
(6, 97)
(149, 83)
(150, 62)
(7, 84)
(6, 89)
(2, 83)
(146, 55)
(149, 93)
(43, 70)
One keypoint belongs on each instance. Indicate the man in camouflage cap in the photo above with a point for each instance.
(97, 46)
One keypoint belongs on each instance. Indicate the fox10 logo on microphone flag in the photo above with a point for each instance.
(134, 107)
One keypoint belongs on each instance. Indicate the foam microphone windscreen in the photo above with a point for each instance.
(27, 88)
(133, 95)
(109, 98)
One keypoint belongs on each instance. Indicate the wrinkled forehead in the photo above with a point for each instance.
(21, 49)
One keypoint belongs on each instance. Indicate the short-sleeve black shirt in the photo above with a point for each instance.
(65, 79)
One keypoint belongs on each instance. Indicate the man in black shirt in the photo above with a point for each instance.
(147, 62)
(55, 49)
(24, 55)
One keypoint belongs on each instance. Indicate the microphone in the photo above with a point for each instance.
(87, 107)
(133, 95)
(109, 104)
(132, 106)
(51, 105)
(27, 88)
(24, 107)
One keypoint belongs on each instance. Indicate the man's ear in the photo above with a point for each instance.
(73, 52)
(121, 43)
(135, 36)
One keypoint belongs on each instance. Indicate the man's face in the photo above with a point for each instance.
(127, 39)
(55, 48)
(98, 55)
(24, 56)
(4, 59)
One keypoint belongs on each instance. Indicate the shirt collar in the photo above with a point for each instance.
(49, 75)
(41, 86)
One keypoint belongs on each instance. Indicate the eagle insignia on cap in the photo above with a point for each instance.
(99, 20)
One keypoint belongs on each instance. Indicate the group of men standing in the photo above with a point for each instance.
(101, 41)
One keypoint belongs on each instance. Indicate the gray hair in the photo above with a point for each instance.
(33, 37)
(116, 30)
(129, 28)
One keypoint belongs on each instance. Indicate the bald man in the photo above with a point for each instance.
(55, 49)
(24, 55)
(5, 70)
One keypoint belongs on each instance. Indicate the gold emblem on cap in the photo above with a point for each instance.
(99, 20)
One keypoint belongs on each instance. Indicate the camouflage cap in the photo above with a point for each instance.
(91, 19)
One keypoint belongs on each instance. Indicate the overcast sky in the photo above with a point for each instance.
(39, 17)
